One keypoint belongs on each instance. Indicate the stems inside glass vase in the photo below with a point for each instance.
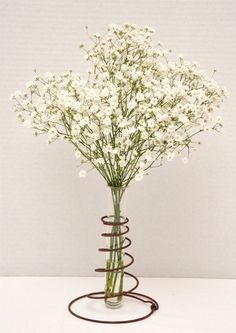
(115, 257)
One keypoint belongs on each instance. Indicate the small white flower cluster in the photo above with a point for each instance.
(136, 107)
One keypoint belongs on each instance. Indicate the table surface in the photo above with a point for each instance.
(39, 305)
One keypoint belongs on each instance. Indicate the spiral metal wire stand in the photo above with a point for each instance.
(128, 293)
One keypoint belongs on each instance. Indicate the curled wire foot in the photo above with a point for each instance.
(128, 293)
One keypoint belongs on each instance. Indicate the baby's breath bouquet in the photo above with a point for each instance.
(138, 107)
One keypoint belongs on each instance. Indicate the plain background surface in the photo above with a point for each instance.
(186, 305)
(182, 217)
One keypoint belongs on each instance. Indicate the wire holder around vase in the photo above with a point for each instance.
(129, 293)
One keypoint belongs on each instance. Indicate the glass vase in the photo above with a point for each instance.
(115, 241)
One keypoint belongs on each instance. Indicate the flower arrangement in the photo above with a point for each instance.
(137, 108)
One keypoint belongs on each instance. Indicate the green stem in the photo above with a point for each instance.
(114, 279)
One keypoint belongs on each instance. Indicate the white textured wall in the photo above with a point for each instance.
(183, 217)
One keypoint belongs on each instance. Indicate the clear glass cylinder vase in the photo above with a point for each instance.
(115, 241)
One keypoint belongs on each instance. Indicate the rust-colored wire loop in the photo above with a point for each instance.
(128, 293)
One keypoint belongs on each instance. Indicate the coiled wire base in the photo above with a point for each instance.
(128, 293)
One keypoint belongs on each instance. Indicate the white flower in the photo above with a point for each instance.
(55, 117)
(122, 163)
(94, 108)
(25, 103)
(77, 154)
(207, 129)
(123, 123)
(75, 130)
(92, 94)
(124, 67)
(77, 116)
(29, 84)
(48, 76)
(106, 131)
(140, 97)
(148, 157)
(135, 108)
(158, 135)
(128, 142)
(181, 56)
(107, 121)
(119, 76)
(83, 122)
(100, 161)
(112, 27)
(132, 104)
(27, 123)
(76, 104)
(105, 92)
(132, 130)
(144, 135)
(138, 177)
(96, 35)
(94, 127)
(185, 160)
(150, 122)
(170, 156)
(93, 147)
(53, 134)
(82, 173)
(17, 93)
(219, 119)
(142, 165)
(183, 118)
(134, 75)
(153, 101)
(178, 137)
(33, 114)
